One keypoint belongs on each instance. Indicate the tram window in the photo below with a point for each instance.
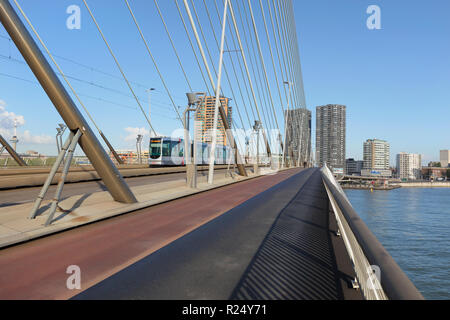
(166, 148)
(177, 148)
(155, 149)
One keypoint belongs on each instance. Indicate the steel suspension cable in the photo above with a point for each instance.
(118, 65)
(153, 60)
(239, 62)
(224, 65)
(271, 54)
(282, 52)
(297, 48)
(192, 47)
(289, 41)
(247, 70)
(254, 65)
(205, 62)
(173, 45)
(204, 38)
(67, 81)
(278, 44)
(263, 63)
(288, 50)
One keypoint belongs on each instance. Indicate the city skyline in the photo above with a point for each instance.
(381, 73)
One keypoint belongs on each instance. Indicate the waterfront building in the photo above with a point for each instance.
(376, 154)
(353, 167)
(445, 158)
(131, 156)
(298, 134)
(204, 120)
(330, 136)
(409, 166)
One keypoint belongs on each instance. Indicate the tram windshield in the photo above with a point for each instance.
(155, 148)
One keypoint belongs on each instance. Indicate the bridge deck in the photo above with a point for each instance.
(279, 244)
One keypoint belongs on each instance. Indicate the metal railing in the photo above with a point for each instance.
(378, 276)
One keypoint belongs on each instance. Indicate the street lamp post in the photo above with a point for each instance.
(60, 131)
(191, 160)
(257, 127)
(139, 147)
(149, 106)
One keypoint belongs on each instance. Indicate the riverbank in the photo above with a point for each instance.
(368, 187)
(424, 184)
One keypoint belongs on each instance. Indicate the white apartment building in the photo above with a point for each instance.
(376, 154)
(409, 166)
(445, 158)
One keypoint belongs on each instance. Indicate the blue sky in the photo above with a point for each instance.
(394, 81)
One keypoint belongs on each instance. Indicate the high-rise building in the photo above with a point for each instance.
(445, 158)
(298, 134)
(409, 166)
(330, 136)
(204, 120)
(353, 166)
(376, 154)
(376, 157)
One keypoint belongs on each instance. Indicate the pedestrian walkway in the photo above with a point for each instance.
(280, 244)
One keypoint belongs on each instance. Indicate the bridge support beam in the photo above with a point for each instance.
(12, 152)
(64, 104)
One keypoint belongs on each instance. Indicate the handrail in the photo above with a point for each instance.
(394, 282)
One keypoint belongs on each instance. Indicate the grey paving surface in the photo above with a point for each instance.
(277, 245)
(24, 195)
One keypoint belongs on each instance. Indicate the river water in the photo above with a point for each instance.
(413, 224)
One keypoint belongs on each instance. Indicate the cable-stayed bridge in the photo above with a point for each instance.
(234, 200)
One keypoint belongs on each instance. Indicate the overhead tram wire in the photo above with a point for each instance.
(82, 95)
(118, 65)
(93, 69)
(153, 60)
(119, 160)
(91, 83)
